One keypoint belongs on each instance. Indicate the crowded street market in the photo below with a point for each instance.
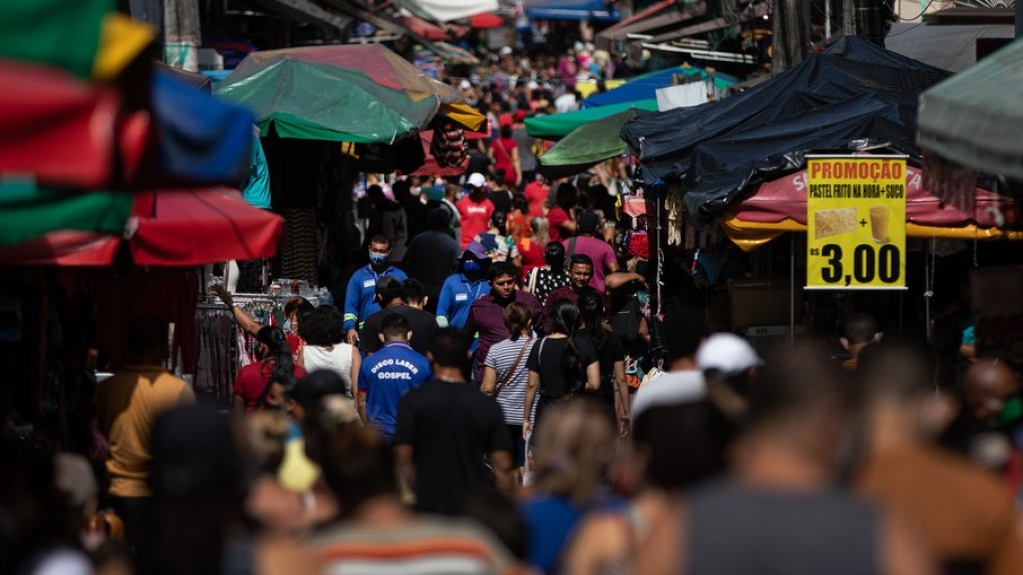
(530, 287)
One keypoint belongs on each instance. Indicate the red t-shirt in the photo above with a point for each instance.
(536, 193)
(475, 218)
(252, 380)
(532, 255)
(556, 217)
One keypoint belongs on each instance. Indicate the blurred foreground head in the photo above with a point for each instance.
(574, 446)
(661, 433)
(901, 377)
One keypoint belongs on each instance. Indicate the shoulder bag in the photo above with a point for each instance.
(507, 377)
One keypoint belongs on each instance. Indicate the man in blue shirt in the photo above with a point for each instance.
(388, 374)
(464, 287)
(360, 297)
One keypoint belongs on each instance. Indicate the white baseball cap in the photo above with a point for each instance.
(465, 85)
(727, 353)
(477, 180)
(506, 50)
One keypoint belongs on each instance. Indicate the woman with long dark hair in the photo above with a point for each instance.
(255, 382)
(613, 392)
(560, 365)
(543, 280)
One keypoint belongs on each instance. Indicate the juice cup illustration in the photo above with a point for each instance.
(879, 218)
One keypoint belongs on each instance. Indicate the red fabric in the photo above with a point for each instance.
(55, 127)
(785, 198)
(197, 227)
(503, 159)
(252, 380)
(475, 218)
(556, 218)
(486, 20)
(63, 248)
(430, 166)
(532, 256)
(536, 193)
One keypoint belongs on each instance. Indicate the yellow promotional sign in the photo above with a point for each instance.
(856, 222)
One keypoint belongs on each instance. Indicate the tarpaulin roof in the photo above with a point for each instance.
(854, 96)
(645, 87)
(167, 228)
(591, 143)
(447, 10)
(556, 126)
(975, 118)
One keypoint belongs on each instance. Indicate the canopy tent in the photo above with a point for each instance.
(166, 228)
(853, 96)
(448, 10)
(574, 10)
(28, 211)
(645, 87)
(779, 206)
(357, 93)
(556, 126)
(974, 118)
(591, 143)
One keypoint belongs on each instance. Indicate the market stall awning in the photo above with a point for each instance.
(779, 206)
(307, 11)
(448, 10)
(975, 118)
(589, 144)
(654, 17)
(423, 28)
(572, 10)
(28, 211)
(556, 126)
(485, 21)
(645, 87)
(171, 228)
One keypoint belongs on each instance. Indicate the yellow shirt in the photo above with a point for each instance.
(127, 405)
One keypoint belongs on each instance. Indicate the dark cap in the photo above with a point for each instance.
(586, 222)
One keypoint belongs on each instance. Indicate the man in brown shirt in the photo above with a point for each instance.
(964, 514)
(127, 405)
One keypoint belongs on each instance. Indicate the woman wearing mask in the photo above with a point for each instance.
(613, 393)
(325, 348)
(255, 382)
(500, 247)
(505, 376)
(565, 362)
(544, 280)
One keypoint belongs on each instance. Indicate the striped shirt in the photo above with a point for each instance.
(430, 546)
(512, 398)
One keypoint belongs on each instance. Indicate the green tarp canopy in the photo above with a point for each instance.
(557, 126)
(590, 144)
(27, 211)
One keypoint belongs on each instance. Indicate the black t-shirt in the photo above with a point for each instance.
(502, 200)
(552, 382)
(451, 427)
(479, 163)
(612, 351)
(423, 325)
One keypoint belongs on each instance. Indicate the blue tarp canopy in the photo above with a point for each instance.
(578, 10)
(645, 87)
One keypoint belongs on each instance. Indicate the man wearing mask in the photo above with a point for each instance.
(486, 315)
(474, 209)
(360, 297)
(464, 287)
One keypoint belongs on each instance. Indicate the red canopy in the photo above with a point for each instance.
(177, 228)
(486, 20)
(785, 198)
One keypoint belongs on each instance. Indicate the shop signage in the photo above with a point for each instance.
(856, 222)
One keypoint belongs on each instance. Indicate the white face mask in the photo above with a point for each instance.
(287, 326)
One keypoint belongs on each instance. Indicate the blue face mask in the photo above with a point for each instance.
(472, 267)
(377, 259)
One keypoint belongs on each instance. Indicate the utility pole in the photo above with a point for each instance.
(789, 42)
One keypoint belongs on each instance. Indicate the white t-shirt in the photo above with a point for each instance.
(671, 388)
(337, 359)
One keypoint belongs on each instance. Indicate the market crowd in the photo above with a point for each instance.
(486, 400)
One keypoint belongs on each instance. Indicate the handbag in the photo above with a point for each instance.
(507, 377)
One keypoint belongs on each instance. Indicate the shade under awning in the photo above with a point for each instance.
(306, 11)
(975, 119)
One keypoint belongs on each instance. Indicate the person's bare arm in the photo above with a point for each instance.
(356, 368)
(593, 376)
(534, 381)
(504, 477)
(617, 279)
(489, 380)
(644, 330)
(598, 542)
(622, 395)
(238, 405)
(406, 470)
(902, 552)
(248, 325)
(362, 406)
(517, 164)
(665, 549)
